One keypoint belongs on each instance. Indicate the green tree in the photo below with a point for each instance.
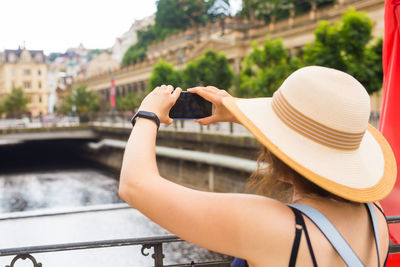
(267, 10)
(170, 16)
(265, 69)
(1, 107)
(346, 46)
(137, 51)
(85, 101)
(210, 69)
(82, 101)
(130, 101)
(176, 15)
(325, 51)
(134, 54)
(15, 103)
(65, 107)
(173, 16)
(163, 73)
(271, 10)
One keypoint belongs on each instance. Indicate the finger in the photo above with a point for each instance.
(170, 121)
(169, 88)
(193, 89)
(206, 94)
(213, 88)
(206, 120)
(176, 93)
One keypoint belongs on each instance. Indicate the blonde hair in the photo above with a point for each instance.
(267, 180)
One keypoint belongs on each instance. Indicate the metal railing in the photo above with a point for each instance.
(156, 243)
(122, 120)
(393, 248)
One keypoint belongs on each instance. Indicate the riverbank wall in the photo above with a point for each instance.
(211, 162)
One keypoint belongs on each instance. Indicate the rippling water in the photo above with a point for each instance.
(55, 189)
(43, 184)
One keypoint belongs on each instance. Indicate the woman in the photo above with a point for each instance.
(316, 137)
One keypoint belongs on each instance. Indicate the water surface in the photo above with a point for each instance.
(42, 177)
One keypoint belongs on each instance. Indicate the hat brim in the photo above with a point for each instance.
(366, 174)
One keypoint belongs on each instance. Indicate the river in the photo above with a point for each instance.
(48, 178)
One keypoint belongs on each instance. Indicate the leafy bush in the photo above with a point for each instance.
(265, 69)
(210, 69)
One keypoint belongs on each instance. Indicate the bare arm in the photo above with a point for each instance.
(234, 224)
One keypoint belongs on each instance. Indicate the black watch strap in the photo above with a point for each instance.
(147, 115)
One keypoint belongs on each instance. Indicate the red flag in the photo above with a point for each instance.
(112, 93)
(390, 113)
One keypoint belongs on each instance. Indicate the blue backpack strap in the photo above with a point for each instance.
(374, 221)
(330, 232)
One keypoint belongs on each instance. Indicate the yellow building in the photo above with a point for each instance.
(26, 69)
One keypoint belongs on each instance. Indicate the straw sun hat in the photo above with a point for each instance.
(317, 123)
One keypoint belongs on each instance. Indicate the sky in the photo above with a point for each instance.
(55, 25)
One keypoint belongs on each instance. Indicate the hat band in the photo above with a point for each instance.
(312, 129)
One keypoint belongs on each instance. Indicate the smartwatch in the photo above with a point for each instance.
(147, 115)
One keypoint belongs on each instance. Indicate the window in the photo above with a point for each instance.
(27, 72)
(39, 72)
(13, 84)
(40, 99)
(12, 72)
(38, 58)
(11, 57)
(27, 58)
(40, 85)
(27, 84)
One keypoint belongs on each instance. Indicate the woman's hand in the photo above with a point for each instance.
(214, 95)
(160, 101)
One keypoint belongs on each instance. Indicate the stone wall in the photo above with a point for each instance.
(188, 173)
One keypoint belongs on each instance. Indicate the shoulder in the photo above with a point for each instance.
(268, 226)
(383, 227)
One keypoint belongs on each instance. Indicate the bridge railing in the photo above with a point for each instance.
(155, 243)
(45, 121)
(393, 248)
(122, 120)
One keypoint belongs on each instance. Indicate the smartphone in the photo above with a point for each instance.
(190, 106)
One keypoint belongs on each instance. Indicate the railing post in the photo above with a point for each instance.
(158, 255)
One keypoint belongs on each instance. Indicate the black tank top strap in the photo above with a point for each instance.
(300, 226)
(380, 209)
(309, 243)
